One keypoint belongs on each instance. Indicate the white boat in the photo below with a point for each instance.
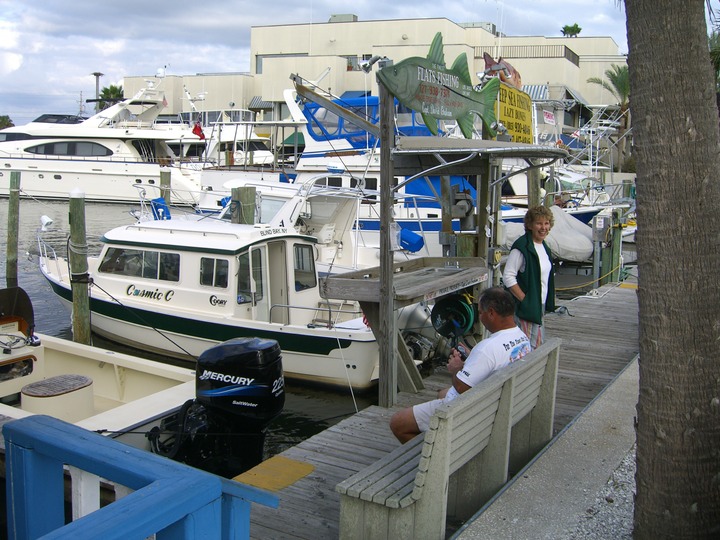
(97, 389)
(177, 286)
(106, 156)
(237, 389)
(320, 206)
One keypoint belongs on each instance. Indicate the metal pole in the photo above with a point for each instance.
(97, 76)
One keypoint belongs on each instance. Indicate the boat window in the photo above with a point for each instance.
(257, 272)
(70, 148)
(139, 263)
(244, 289)
(170, 267)
(214, 272)
(305, 276)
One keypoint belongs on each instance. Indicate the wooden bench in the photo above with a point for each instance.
(461, 461)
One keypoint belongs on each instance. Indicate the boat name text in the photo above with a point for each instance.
(208, 375)
(269, 232)
(156, 294)
(215, 301)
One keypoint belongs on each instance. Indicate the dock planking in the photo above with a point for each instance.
(600, 338)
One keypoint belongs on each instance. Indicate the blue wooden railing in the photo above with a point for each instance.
(170, 499)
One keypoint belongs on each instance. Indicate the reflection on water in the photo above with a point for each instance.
(307, 410)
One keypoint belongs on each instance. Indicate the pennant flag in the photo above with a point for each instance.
(197, 130)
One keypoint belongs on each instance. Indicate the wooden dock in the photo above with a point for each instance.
(600, 338)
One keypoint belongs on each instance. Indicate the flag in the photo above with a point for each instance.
(197, 130)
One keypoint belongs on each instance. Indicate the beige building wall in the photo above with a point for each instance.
(335, 50)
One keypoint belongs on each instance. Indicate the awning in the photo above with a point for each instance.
(257, 104)
(355, 94)
(537, 92)
(295, 138)
(574, 94)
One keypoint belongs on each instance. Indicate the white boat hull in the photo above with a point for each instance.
(346, 355)
(99, 180)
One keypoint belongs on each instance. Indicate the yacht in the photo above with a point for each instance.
(107, 156)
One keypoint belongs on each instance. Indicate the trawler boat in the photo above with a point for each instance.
(177, 286)
(106, 155)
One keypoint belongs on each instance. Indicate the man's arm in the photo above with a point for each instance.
(455, 364)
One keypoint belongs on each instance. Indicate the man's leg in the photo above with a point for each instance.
(403, 425)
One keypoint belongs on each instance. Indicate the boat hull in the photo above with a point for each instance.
(99, 180)
(341, 356)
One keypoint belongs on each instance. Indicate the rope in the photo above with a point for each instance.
(583, 285)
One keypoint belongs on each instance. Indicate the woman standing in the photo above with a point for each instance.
(528, 274)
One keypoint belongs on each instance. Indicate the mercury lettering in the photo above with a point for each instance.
(223, 377)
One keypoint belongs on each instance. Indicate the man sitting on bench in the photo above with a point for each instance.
(496, 310)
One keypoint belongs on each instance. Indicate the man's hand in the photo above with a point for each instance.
(455, 362)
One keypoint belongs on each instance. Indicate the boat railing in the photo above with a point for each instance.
(335, 313)
(49, 255)
(149, 493)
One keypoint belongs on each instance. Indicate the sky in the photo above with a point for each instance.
(50, 48)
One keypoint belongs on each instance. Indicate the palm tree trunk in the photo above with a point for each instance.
(677, 146)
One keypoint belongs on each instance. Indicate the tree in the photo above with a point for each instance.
(617, 82)
(110, 95)
(5, 122)
(571, 30)
(714, 44)
(677, 149)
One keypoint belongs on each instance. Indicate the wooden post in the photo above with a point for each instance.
(481, 206)
(533, 180)
(385, 332)
(243, 201)
(77, 256)
(446, 232)
(11, 271)
(165, 188)
(610, 258)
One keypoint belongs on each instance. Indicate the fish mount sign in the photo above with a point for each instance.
(427, 86)
(515, 113)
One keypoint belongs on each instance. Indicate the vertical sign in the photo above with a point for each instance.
(515, 113)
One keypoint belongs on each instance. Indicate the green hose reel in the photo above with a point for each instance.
(453, 316)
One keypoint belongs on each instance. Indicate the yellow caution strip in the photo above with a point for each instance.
(628, 286)
(276, 473)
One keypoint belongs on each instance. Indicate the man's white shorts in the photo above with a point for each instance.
(423, 411)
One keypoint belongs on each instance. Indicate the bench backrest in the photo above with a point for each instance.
(461, 429)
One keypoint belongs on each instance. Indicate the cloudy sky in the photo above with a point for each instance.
(50, 48)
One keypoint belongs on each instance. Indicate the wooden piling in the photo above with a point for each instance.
(243, 201)
(165, 187)
(77, 255)
(11, 263)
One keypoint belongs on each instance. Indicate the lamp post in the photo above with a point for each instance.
(97, 76)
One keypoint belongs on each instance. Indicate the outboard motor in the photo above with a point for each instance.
(239, 390)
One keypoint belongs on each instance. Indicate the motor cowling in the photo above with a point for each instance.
(239, 390)
(243, 379)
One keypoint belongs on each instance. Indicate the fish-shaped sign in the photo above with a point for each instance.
(427, 86)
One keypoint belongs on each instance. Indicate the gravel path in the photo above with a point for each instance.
(611, 515)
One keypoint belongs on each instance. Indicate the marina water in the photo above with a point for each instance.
(307, 410)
